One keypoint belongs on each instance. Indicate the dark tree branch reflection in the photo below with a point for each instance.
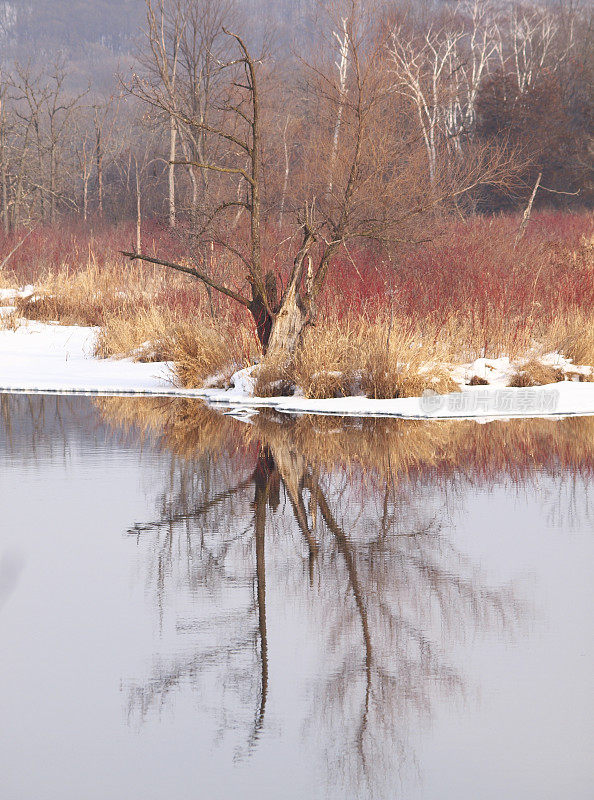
(386, 596)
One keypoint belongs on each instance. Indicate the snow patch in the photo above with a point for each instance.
(13, 294)
(243, 382)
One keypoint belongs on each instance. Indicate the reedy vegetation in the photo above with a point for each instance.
(382, 331)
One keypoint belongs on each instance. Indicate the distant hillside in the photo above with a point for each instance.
(97, 36)
(69, 24)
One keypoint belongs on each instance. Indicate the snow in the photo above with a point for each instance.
(39, 357)
(243, 381)
(498, 371)
(51, 358)
(12, 294)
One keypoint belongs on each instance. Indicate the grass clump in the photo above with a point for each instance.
(533, 373)
(86, 297)
(141, 337)
(329, 361)
(207, 354)
(10, 321)
(577, 343)
(413, 382)
(274, 379)
(340, 358)
(203, 351)
(476, 380)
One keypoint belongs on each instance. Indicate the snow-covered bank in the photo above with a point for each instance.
(43, 358)
(37, 357)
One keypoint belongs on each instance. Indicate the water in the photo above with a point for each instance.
(193, 606)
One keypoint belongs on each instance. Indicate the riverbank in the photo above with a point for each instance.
(470, 325)
(49, 358)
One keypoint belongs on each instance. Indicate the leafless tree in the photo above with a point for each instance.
(374, 165)
(440, 70)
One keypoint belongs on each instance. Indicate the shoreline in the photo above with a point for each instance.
(52, 359)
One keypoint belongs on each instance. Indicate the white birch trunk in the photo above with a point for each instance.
(342, 65)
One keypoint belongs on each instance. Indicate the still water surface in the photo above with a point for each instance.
(193, 606)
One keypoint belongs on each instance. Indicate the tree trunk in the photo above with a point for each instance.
(4, 190)
(527, 212)
(52, 181)
(99, 162)
(138, 213)
(172, 151)
(85, 198)
(287, 329)
(16, 220)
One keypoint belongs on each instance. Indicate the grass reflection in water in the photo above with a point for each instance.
(351, 517)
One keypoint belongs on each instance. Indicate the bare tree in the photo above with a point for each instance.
(4, 153)
(376, 175)
(440, 70)
(342, 39)
(423, 72)
(106, 118)
(84, 148)
(164, 31)
(46, 111)
(532, 35)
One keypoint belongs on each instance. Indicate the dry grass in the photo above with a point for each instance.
(203, 352)
(431, 377)
(142, 336)
(274, 379)
(329, 362)
(387, 358)
(381, 359)
(85, 297)
(140, 316)
(533, 373)
(10, 321)
(208, 353)
(575, 338)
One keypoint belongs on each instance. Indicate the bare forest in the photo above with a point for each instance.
(301, 162)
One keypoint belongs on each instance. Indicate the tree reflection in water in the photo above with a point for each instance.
(387, 594)
(340, 528)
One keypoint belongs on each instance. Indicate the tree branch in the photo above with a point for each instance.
(188, 271)
(215, 168)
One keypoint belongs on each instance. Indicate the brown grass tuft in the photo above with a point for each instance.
(141, 336)
(86, 297)
(533, 373)
(202, 351)
(274, 379)
(413, 382)
(10, 321)
(577, 341)
(579, 377)
(328, 361)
